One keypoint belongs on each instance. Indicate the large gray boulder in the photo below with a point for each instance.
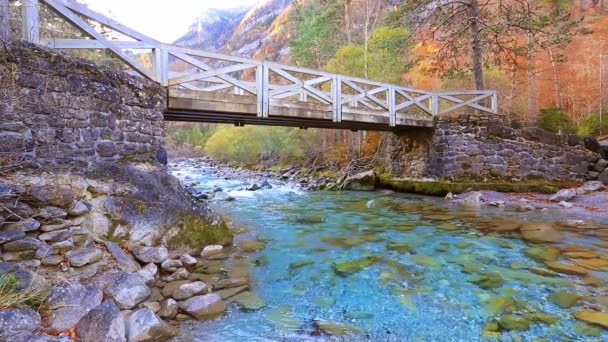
(185, 291)
(151, 254)
(364, 181)
(69, 302)
(144, 326)
(17, 321)
(205, 306)
(104, 323)
(127, 290)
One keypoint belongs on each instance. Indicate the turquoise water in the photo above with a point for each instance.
(423, 289)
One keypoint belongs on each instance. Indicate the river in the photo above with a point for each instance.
(421, 269)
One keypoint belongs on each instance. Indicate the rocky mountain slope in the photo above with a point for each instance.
(258, 31)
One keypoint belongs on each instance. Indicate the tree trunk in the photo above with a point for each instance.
(476, 51)
(531, 88)
(558, 95)
(5, 27)
(347, 21)
(366, 32)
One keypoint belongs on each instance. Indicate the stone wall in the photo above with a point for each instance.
(482, 148)
(59, 109)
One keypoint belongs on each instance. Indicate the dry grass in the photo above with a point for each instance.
(11, 297)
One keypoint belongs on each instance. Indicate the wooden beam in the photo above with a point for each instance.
(92, 44)
(84, 26)
(30, 26)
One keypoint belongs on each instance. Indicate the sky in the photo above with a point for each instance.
(160, 19)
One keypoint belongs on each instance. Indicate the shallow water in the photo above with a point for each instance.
(417, 292)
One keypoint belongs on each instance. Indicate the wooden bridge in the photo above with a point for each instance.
(205, 86)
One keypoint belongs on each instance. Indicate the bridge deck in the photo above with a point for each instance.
(206, 86)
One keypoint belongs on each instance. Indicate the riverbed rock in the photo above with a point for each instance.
(104, 323)
(127, 290)
(564, 300)
(514, 322)
(566, 268)
(249, 301)
(125, 261)
(83, 256)
(347, 268)
(168, 308)
(363, 181)
(222, 196)
(151, 254)
(144, 326)
(540, 232)
(148, 273)
(211, 250)
(188, 290)
(542, 254)
(188, 260)
(593, 317)
(563, 195)
(14, 321)
(69, 302)
(171, 265)
(590, 186)
(205, 306)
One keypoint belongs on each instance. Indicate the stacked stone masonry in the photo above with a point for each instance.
(483, 148)
(62, 109)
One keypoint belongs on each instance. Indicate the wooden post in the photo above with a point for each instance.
(495, 103)
(435, 105)
(31, 22)
(161, 65)
(390, 98)
(5, 23)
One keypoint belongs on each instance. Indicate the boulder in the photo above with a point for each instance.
(125, 261)
(168, 308)
(222, 196)
(601, 165)
(55, 224)
(590, 186)
(185, 291)
(143, 326)
(171, 265)
(84, 256)
(364, 181)
(188, 260)
(14, 321)
(69, 302)
(127, 290)
(104, 323)
(148, 273)
(205, 306)
(211, 250)
(563, 195)
(151, 254)
(154, 306)
(593, 317)
(97, 223)
(25, 244)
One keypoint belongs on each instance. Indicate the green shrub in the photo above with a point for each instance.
(10, 296)
(590, 125)
(555, 120)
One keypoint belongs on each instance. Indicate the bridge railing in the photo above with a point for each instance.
(269, 82)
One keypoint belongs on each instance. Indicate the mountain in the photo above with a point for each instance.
(213, 28)
(259, 31)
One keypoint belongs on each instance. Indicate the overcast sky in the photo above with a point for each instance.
(160, 19)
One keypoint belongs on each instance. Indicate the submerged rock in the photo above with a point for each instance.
(337, 329)
(566, 268)
(593, 317)
(542, 254)
(514, 322)
(347, 268)
(249, 301)
(564, 300)
(540, 232)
